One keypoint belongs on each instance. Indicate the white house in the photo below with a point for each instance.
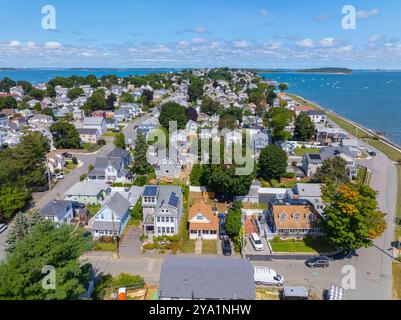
(58, 211)
(192, 127)
(95, 123)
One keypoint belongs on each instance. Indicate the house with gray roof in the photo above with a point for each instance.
(162, 210)
(308, 191)
(88, 192)
(120, 153)
(190, 278)
(112, 218)
(95, 123)
(317, 116)
(109, 169)
(58, 211)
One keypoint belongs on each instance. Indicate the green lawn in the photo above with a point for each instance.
(109, 247)
(301, 151)
(92, 210)
(362, 172)
(307, 245)
(91, 147)
(390, 152)
(109, 134)
(209, 247)
(188, 246)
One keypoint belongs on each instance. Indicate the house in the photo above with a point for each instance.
(203, 221)
(90, 193)
(294, 218)
(89, 135)
(168, 168)
(162, 210)
(41, 120)
(78, 114)
(120, 153)
(317, 116)
(98, 123)
(190, 278)
(310, 163)
(289, 146)
(10, 113)
(328, 135)
(55, 161)
(111, 124)
(299, 109)
(109, 169)
(353, 146)
(192, 127)
(131, 194)
(122, 115)
(345, 153)
(112, 218)
(259, 141)
(58, 211)
(308, 191)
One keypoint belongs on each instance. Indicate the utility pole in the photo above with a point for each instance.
(115, 236)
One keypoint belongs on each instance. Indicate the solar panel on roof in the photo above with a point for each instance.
(173, 201)
(150, 191)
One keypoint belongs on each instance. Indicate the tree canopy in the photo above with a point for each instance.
(96, 101)
(65, 136)
(141, 165)
(195, 89)
(233, 220)
(333, 170)
(210, 106)
(119, 141)
(172, 111)
(304, 127)
(353, 216)
(272, 162)
(75, 93)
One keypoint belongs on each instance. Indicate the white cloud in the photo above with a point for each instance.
(240, 44)
(323, 17)
(198, 40)
(327, 42)
(201, 30)
(305, 43)
(375, 38)
(86, 54)
(273, 45)
(15, 44)
(362, 14)
(264, 12)
(53, 45)
(31, 45)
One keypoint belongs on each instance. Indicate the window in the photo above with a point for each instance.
(167, 219)
(158, 230)
(162, 219)
(172, 219)
(158, 219)
(163, 230)
(172, 230)
(282, 216)
(297, 217)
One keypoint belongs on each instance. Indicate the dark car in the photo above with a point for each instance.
(372, 153)
(222, 232)
(67, 155)
(226, 247)
(318, 262)
(77, 205)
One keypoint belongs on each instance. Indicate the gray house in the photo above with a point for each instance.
(88, 192)
(189, 278)
(109, 169)
(58, 211)
(120, 153)
(112, 218)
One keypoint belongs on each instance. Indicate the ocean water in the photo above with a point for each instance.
(372, 99)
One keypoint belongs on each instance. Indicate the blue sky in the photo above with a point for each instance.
(189, 33)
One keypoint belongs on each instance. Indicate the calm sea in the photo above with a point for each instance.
(372, 99)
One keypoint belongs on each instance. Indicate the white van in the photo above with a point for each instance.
(267, 276)
(256, 242)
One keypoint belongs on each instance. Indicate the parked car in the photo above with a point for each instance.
(67, 155)
(3, 228)
(318, 262)
(77, 205)
(226, 247)
(372, 154)
(222, 233)
(267, 276)
(59, 176)
(256, 242)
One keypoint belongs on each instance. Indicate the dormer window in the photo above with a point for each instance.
(199, 216)
(297, 217)
(282, 216)
(310, 216)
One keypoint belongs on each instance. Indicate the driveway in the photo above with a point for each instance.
(131, 245)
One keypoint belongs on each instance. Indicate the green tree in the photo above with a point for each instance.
(75, 93)
(37, 94)
(12, 200)
(332, 171)
(196, 175)
(195, 89)
(304, 127)
(21, 274)
(141, 165)
(8, 103)
(354, 219)
(127, 281)
(96, 101)
(147, 97)
(6, 83)
(48, 112)
(210, 106)
(18, 231)
(65, 136)
(228, 121)
(119, 141)
(172, 111)
(283, 87)
(136, 212)
(191, 114)
(111, 99)
(233, 220)
(272, 163)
